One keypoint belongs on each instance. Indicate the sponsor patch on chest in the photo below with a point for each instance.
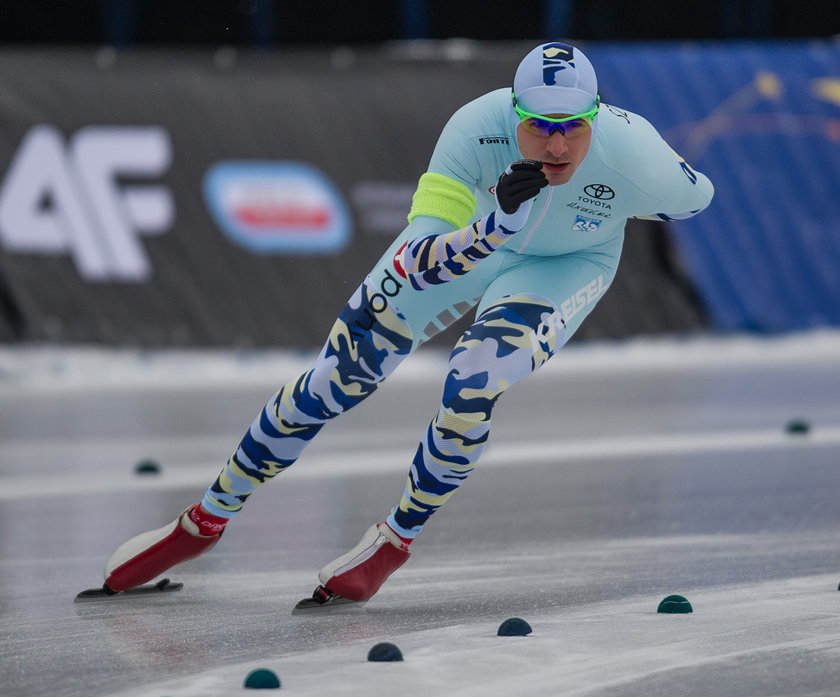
(584, 224)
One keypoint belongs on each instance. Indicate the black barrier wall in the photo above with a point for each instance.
(224, 199)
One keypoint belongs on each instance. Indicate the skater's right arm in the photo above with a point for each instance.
(436, 258)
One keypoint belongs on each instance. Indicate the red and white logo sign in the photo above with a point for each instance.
(277, 207)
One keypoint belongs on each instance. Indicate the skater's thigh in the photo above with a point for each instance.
(573, 283)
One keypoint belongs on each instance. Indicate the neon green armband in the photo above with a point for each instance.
(441, 197)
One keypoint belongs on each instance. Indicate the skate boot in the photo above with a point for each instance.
(151, 553)
(356, 576)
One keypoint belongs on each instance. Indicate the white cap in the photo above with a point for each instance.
(555, 78)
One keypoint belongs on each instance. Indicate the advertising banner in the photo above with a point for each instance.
(762, 120)
(170, 198)
(189, 198)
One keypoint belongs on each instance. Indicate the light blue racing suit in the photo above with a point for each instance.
(532, 289)
(569, 249)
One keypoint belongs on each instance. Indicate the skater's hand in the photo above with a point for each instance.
(518, 185)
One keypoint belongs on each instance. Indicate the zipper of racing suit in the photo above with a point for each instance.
(537, 222)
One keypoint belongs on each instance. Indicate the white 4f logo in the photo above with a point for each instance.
(57, 199)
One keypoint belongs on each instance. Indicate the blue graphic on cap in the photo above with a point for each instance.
(556, 57)
(277, 207)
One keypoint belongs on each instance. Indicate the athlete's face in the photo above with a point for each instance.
(560, 154)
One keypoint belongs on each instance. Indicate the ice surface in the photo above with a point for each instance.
(622, 474)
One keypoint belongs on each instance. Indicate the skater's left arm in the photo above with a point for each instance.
(684, 192)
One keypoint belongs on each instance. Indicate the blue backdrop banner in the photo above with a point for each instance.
(201, 198)
(763, 122)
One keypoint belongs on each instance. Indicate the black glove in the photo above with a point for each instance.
(522, 180)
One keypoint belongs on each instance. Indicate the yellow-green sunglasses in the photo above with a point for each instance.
(544, 126)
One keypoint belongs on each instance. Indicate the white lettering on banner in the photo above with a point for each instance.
(582, 297)
(57, 199)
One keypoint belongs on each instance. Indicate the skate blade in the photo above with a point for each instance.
(163, 586)
(336, 604)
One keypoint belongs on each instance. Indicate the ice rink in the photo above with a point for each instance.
(621, 474)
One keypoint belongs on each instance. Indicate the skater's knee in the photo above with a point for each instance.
(464, 426)
(507, 342)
